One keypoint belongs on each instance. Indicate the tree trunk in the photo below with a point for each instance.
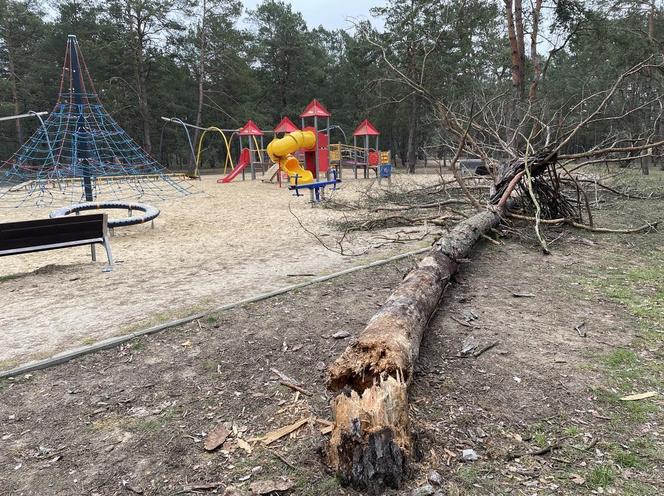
(14, 90)
(411, 151)
(371, 444)
(645, 170)
(520, 41)
(141, 80)
(201, 79)
(537, 63)
(517, 82)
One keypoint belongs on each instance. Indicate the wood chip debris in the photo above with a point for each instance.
(295, 387)
(637, 397)
(327, 426)
(273, 436)
(461, 322)
(216, 438)
(271, 486)
(244, 445)
(285, 378)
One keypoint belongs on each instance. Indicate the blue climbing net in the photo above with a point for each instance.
(80, 153)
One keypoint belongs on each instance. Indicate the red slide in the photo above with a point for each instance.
(241, 164)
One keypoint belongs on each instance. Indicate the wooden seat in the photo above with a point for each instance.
(51, 234)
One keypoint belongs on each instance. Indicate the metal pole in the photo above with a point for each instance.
(328, 147)
(21, 116)
(317, 146)
(355, 155)
(240, 141)
(261, 155)
(366, 156)
(251, 159)
(80, 132)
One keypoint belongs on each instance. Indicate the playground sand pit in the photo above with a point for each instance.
(540, 409)
(231, 242)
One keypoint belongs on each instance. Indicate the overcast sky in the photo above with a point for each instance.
(331, 14)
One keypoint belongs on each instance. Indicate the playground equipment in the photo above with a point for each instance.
(256, 151)
(285, 126)
(243, 161)
(281, 152)
(363, 157)
(317, 162)
(251, 131)
(149, 212)
(314, 142)
(317, 189)
(79, 153)
(304, 156)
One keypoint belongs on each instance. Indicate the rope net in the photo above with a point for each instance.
(79, 153)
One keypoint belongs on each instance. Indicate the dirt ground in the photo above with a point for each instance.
(231, 242)
(541, 408)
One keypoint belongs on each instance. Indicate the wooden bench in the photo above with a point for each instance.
(50, 234)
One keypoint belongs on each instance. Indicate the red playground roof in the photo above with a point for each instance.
(285, 126)
(250, 129)
(366, 128)
(315, 109)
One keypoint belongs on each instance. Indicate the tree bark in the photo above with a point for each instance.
(371, 444)
(143, 100)
(537, 63)
(14, 89)
(517, 71)
(141, 80)
(201, 80)
(520, 41)
(411, 154)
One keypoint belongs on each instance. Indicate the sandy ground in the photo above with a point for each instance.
(230, 242)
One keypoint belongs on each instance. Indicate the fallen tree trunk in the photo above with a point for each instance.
(371, 442)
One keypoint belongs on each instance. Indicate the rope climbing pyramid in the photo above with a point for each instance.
(80, 154)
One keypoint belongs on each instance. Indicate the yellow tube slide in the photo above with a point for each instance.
(281, 152)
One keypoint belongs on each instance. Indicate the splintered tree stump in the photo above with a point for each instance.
(376, 435)
(371, 441)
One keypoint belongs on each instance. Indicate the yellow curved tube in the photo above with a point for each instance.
(281, 152)
(226, 142)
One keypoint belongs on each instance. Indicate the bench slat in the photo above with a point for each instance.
(45, 232)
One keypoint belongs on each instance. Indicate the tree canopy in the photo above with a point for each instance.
(212, 62)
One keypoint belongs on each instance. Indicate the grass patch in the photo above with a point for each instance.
(572, 431)
(637, 488)
(601, 476)
(635, 411)
(540, 439)
(621, 357)
(9, 277)
(626, 459)
(468, 475)
(324, 487)
(147, 425)
(138, 344)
